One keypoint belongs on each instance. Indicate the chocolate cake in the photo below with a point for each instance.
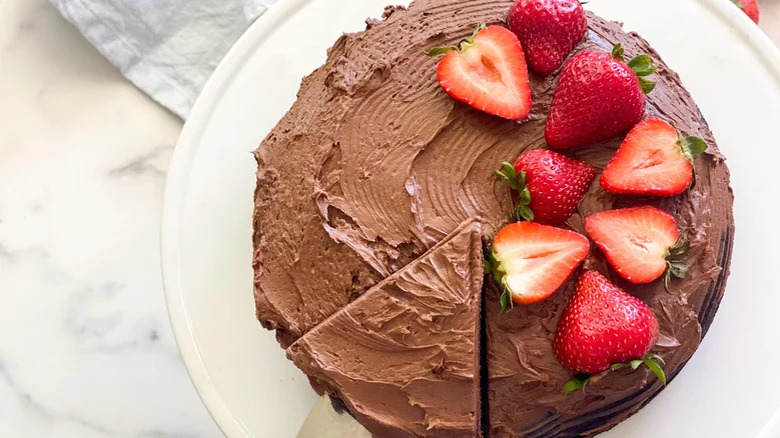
(374, 166)
(404, 357)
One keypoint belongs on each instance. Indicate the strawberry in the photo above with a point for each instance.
(548, 30)
(653, 160)
(531, 261)
(641, 243)
(602, 328)
(598, 97)
(749, 7)
(488, 72)
(550, 185)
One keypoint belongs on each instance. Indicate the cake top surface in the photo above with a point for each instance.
(375, 164)
(405, 355)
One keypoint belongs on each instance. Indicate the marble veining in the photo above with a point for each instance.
(153, 162)
(86, 349)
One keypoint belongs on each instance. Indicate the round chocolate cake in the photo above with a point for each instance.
(372, 175)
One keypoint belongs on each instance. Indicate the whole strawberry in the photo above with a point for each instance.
(548, 30)
(749, 7)
(549, 184)
(598, 97)
(604, 327)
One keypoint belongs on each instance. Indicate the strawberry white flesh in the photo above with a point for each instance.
(536, 259)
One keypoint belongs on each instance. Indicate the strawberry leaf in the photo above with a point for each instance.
(508, 175)
(692, 147)
(646, 84)
(577, 382)
(618, 52)
(649, 360)
(656, 369)
(675, 266)
(525, 195)
(681, 247)
(522, 212)
(642, 65)
(678, 269)
(461, 46)
(436, 51)
(506, 299)
(480, 27)
(654, 356)
(667, 278)
(738, 3)
(487, 266)
(516, 181)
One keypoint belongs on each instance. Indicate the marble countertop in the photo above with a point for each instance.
(86, 349)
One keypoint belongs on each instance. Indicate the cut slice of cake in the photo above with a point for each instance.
(405, 356)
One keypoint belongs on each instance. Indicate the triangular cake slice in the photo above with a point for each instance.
(405, 356)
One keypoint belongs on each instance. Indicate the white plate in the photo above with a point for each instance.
(729, 389)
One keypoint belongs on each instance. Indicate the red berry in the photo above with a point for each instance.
(487, 72)
(749, 7)
(639, 242)
(548, 30)
(531, 261)
(556, 183)
(602, 326)
(653, 160)
(598, 97)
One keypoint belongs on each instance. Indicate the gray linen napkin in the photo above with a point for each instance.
(167, 48)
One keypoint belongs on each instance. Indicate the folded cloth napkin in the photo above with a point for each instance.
(167, 48)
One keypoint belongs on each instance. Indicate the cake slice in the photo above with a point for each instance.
(405, 356)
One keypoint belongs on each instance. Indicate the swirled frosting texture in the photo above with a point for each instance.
(375, 164)
(404, 357)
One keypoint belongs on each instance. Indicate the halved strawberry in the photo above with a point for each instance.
(653, 160)
(488, 72)
(531, 261)
(640, 243)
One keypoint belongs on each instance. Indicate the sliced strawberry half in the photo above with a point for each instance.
(653, 160)
(531, 261)
(641, 243)
(488, 72)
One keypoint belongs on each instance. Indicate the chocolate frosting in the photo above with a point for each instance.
(404, 357)
(375, 164)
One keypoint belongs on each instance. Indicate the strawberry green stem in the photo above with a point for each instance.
(674, 265)
(580, 381)
(516, 181)
(492, 266)
(691, 148)
(641, 65)
(460, 47)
